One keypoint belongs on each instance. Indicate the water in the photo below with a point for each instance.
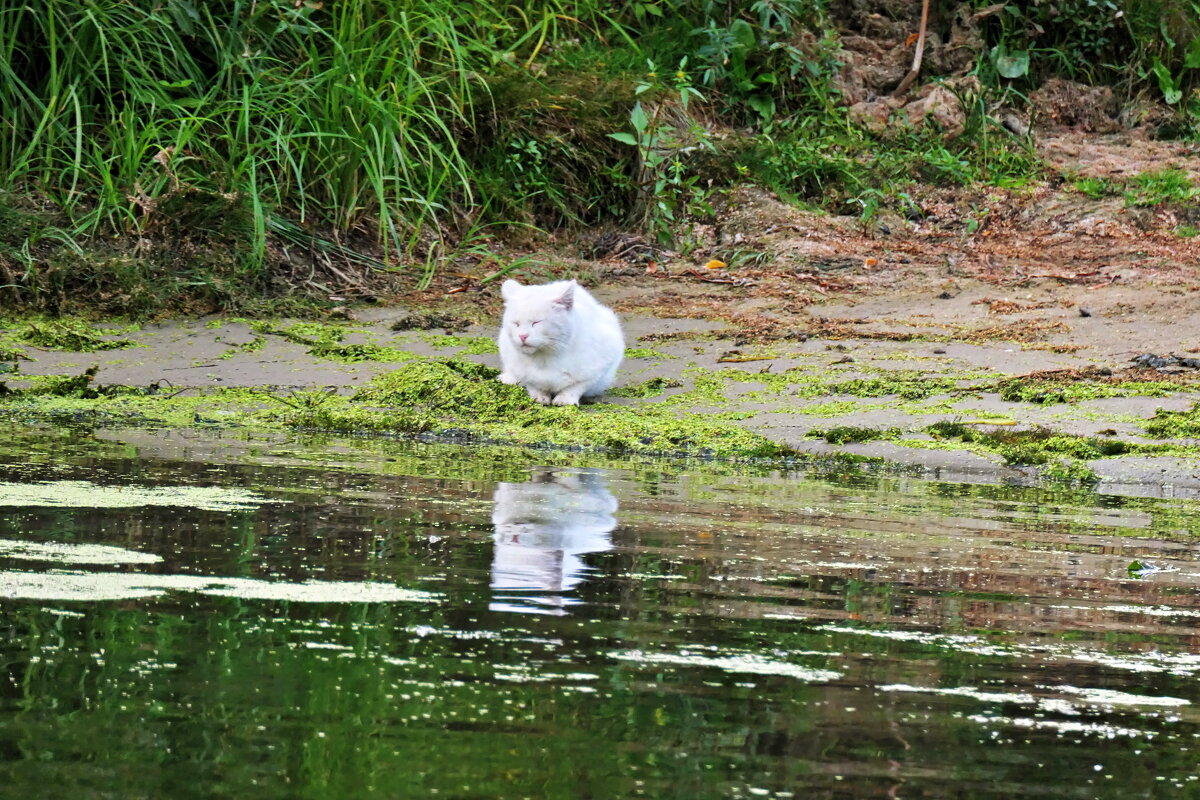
(187, 615)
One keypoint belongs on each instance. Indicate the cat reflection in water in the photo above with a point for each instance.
(541, 529)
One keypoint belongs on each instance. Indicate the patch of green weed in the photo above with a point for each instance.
(325, 341)
(1175, 424)
(71, 335)
(650, 388)
(846, 434)
(1097, 188)
(472, 345)
(1159, 187)
(1048, 392)
(647, 353)
(906, 387)
(1036, 446)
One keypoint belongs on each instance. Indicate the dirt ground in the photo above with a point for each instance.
(979, 287)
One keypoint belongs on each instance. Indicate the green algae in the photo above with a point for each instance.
(9, 352)
(848, 434)
(1048, 392)
(835, 408)
(647, 353)
(1039, 446)
(463, 399)
(1071, 471)
(654, 387)
(255, 345)
(471, 345)
(71, 335)
(327, 341)
(1175, 424)
(906, 387)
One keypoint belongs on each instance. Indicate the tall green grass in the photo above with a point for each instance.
(347, 114)
(409, 128)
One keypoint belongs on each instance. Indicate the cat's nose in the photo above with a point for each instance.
(523, 336)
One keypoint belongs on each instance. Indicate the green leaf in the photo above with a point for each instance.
(638, 118)
(1192, 59)
(765, 106)
(624, 138)
(743, 33)
(1010, 63)
(1171, 87)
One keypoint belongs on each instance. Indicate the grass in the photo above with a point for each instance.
(224, 155)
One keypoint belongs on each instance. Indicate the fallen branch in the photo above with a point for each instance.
(916, 67)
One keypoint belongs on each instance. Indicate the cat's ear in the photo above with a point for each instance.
(567, 299)
(510, 286)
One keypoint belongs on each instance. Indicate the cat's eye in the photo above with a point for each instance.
(516, 323)
(535, 322)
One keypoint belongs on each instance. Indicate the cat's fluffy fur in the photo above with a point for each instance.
(558, 342)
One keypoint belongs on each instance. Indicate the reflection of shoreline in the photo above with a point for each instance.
(542, 527)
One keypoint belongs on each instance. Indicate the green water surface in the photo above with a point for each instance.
(193, 615)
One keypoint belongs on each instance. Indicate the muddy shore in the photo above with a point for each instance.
(996, 337)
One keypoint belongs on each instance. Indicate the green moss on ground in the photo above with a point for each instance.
(654, 387)
(905, 386)
(847, 434)
(460, 398)
(1038, 446)
(1175, 424)
(472, 345)
(442, 398)
(72, 335)
(326, 341)
(1048, 392)
(647, 353)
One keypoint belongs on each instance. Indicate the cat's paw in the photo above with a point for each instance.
(540, 397)
(504, 377)
(566, 399)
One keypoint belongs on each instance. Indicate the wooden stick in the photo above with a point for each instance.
(916, 67)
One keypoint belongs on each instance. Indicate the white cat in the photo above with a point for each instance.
(558, 342)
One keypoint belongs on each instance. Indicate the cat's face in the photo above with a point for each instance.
(537, 317)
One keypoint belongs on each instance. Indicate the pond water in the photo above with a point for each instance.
(197, 615)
